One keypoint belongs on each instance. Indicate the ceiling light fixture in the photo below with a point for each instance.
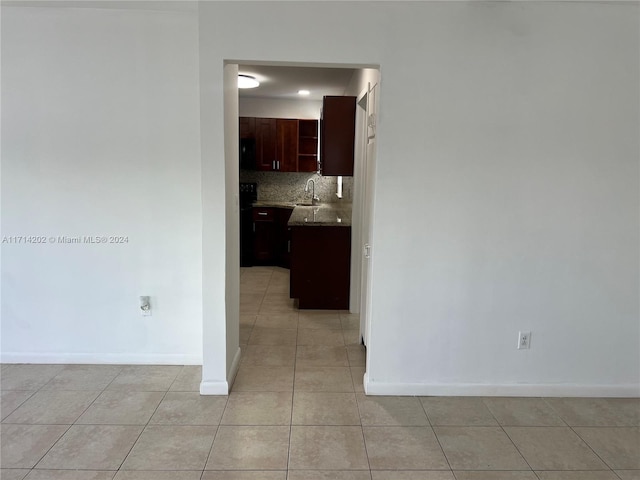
(247, 81)
(303, 92)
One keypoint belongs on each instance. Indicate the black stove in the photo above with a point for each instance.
(248, 193)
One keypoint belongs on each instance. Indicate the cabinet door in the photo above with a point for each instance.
(264, 242)
(265, 143)
(337, 138)
(284, 237)
(247, 127)
(265, 235)
(287, 145)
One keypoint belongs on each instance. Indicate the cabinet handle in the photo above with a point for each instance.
(289, 246)
(264, 214)
(278, 163)
(274, 165)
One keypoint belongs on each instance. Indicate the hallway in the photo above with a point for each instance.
(276, 338)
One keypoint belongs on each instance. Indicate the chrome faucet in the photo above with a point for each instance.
(314, 198)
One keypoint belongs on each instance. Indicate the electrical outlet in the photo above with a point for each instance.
(145, 306)
(524, 340)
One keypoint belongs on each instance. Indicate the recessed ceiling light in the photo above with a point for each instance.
(247, 81)
(303, 92)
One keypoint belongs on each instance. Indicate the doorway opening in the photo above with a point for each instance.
(264, 322)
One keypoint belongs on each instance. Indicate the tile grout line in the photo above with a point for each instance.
(32, 393)
(75, 422)
(215, 436)
(544, 399)
(264, 295)
(293, 395)
(294, 370)
(50, 448)
(436, 437)
(570, 427)
(591, 448)
(114, 378)
(64, 366)
(510, 439)
(144, 427)
(77, 418)
(364, 439)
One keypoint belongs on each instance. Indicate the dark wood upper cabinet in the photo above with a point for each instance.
(307, 145)
(337, 135)
(265, 143)
(282, 144)
(287, 145)
(247, 127)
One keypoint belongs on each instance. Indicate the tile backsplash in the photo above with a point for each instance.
(289, 186)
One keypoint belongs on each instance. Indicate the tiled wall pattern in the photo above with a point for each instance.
(289, 187)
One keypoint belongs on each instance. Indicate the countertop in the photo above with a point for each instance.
(273, 203)
(325, 214)
(329, 214)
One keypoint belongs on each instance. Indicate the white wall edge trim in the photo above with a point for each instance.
(102, 358)
(235, 365)
(503, 390)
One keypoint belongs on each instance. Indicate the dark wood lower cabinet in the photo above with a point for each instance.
(272, 236)
(284, 237)
(321, 266)
(264, 235)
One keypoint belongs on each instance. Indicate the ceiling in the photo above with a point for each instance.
(167, 5)
(284, 82)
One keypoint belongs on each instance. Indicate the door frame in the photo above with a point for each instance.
(232, 269)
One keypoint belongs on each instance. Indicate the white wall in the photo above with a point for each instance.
(507, 184)
(279, 108)
(100, 130)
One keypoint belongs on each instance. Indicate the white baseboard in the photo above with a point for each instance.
(223, 388)
(507, 390)
(102, 358)
(214, 388)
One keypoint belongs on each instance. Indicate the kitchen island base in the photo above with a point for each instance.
(320, 266)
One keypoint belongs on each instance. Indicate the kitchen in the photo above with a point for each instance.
(296, 179)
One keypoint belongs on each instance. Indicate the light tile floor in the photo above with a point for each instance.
(297, 411)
